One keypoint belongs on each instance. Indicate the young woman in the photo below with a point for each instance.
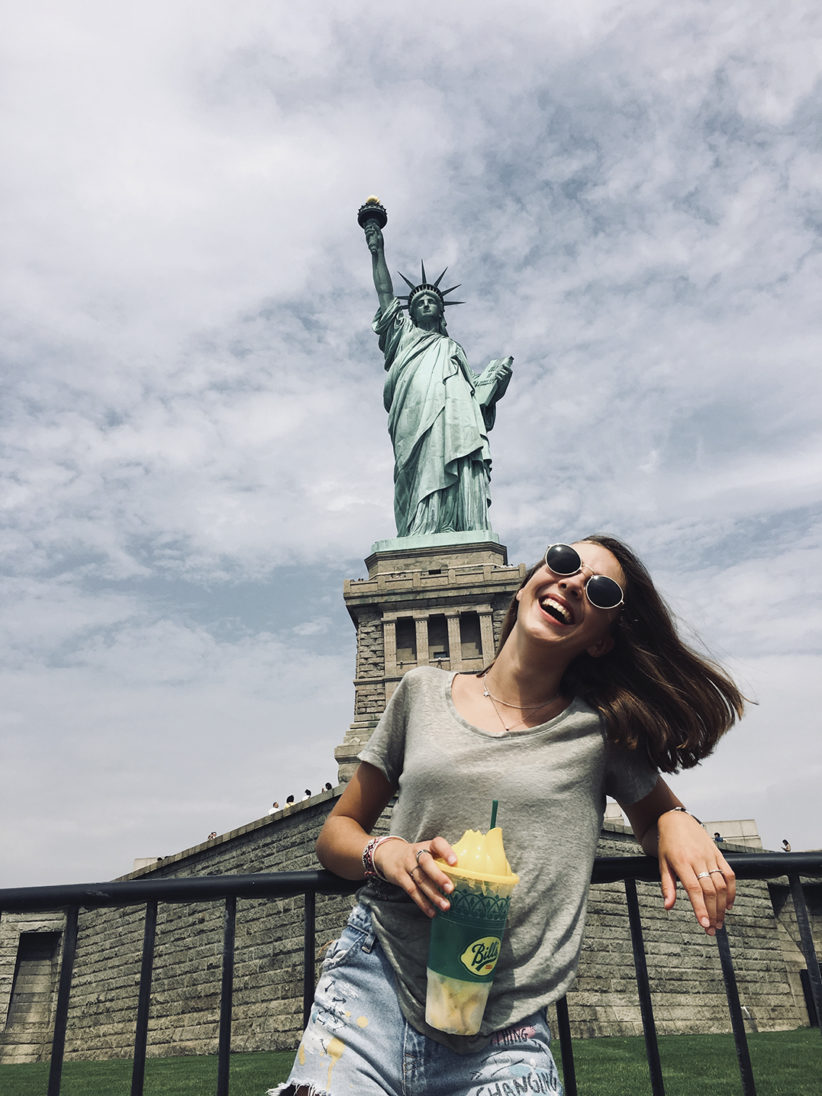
(592, 693)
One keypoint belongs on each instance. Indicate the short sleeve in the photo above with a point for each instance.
(386, 747)
(629, 774)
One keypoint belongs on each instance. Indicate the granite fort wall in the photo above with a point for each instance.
(683, 963)
(27, 1014)
(686, 979)
(188, 958)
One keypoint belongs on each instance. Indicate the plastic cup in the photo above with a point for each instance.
(464, 949)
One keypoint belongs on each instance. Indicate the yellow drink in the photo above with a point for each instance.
(466, 939)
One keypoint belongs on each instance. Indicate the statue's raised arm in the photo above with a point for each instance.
(373, 218)
(439, 410)
(382, 278)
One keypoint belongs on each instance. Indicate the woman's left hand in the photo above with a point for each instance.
(688, 854)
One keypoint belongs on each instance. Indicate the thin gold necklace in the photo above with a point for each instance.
(522, 707)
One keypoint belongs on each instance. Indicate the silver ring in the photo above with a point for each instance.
(703, 875)
(718, 871)
(419, 853)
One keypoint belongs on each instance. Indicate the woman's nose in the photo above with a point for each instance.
(573, 583)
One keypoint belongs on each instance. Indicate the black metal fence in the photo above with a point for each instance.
(228, 888)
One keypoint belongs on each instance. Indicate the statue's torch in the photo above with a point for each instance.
(372, 210)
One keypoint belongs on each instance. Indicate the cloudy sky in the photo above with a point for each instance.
(194, 449)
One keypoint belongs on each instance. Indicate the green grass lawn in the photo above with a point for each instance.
(785, 1063)
(251, 1075)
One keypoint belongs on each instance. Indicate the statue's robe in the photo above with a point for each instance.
(439, 415)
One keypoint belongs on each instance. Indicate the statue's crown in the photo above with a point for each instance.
(427, 287)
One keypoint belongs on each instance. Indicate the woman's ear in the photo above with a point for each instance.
(601, 646)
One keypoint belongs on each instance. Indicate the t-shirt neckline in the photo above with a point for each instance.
(526, 732)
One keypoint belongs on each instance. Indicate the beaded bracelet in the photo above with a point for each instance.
(684, 810)
(369, 867)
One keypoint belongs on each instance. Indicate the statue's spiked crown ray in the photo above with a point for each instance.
(427, 287)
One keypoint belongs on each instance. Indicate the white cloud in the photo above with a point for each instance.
(151, 735)
(768, 767)
(194, 449)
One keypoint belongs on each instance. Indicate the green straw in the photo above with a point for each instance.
(494, 805)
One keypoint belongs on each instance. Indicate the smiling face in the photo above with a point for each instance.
(554, 608)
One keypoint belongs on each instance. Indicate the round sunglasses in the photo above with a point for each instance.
(601, 591)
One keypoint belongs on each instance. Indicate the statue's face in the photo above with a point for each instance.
(426, 310)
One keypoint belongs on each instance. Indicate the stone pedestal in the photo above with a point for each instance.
(428, 601)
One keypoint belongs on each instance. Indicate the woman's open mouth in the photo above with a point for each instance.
(556, 609)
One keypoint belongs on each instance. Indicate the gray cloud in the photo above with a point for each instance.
(194, 452)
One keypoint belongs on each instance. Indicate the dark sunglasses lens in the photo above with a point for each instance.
(563, 559)
(603, 592)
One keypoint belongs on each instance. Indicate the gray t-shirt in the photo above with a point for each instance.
(551, 782)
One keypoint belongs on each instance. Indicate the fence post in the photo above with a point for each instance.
(569, 1073)
(309, 951)
(226, 995)
(643, 985)
(58, 1044)
(138, 1071)
(808, 949)
(737, 1019)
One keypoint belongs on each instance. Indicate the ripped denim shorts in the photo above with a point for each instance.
(358, 1042)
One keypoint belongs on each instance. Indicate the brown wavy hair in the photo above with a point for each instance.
(653, 690)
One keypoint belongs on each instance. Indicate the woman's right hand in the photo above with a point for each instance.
(414, 868)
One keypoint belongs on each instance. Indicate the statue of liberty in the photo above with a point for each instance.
(439, 410)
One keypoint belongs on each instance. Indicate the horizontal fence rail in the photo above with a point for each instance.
(230, 888)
